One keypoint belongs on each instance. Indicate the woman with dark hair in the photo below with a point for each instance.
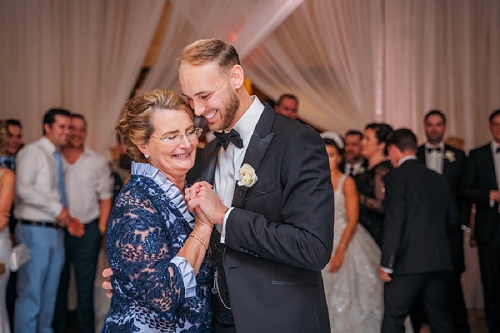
(352, 288)
(370, 183)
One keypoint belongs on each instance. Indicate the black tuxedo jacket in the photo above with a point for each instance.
(453, 169)
(418, 214)
(280, 234)
(479, 180)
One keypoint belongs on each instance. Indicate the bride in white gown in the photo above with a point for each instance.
(353, 290)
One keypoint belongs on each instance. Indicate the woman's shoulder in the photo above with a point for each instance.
(6, 175)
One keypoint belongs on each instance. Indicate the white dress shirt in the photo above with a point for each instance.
(355, 167)
(88, 181)
(231, 159)
(434, 160)
(37, 192)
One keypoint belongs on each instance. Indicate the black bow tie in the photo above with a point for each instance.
(232, 136)
(437, 149)
(497, 150)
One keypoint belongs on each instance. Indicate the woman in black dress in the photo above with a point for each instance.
(370, 182)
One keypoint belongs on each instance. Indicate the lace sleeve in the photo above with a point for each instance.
(376, 203)
(138, 243)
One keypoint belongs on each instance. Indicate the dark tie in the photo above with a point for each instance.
(351, 172)
(498, 150)
(232, 136)
(60, 177)
(437, 149)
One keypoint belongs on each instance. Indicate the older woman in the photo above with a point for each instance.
(6, 197)
(155, 246)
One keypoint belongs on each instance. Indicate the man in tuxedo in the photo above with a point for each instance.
(288, 105)
(481, 186)
(274, 227)
(415, 255)
(450, 162)
(353, 162)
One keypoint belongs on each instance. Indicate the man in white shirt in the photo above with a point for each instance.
(482, 187)
(275, 224)
(89, 190)
(41, 211)
(450, 162)
(353, 162)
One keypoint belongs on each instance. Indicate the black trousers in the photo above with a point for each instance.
(489, 264)
(401, 293)
(82, 253)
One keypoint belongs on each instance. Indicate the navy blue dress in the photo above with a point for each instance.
(153, 289)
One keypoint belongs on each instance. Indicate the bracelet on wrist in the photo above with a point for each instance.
(200, 240)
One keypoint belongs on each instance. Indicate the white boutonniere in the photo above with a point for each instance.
(361, 170)
(449, 155)
(246, 176)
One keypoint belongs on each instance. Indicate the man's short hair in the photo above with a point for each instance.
(354, 132)
(403, 139)
(494, 114)
(205, 51)
(79, 116)
(291, 96)
(435, 112)
(13, 122)
(50, 116)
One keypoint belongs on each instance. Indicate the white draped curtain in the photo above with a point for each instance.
(349, 62)
(84, 55)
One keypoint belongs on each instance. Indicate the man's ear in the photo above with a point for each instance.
(237, 77)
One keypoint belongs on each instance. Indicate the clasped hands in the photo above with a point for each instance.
(202, 200)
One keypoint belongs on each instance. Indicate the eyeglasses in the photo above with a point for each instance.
(175, 139)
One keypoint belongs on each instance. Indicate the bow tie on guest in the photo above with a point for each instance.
(436, 149)
(225, 138)
(497, 150)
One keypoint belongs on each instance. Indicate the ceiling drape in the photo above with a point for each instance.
(349, 62)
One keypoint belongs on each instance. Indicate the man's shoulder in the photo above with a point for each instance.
(480, 150)
(456, 151)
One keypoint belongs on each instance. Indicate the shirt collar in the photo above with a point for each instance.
(440, 146)
(246, 124)
(494, 147)
(406, 158)
(48, 145)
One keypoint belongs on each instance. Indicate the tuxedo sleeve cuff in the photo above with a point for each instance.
(387, 270)
(223, 232)
(188, 276)
(492, 203)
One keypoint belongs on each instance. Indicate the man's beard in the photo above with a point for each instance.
(230, 109)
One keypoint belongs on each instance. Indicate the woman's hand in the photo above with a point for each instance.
(336, 261)
(106, 285)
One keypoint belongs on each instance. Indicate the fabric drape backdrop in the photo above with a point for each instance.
(84, 55)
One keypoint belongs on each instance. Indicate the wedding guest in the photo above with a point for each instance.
(482, 187)
(120, 167)
(155, 246)
(288, 105)
(13, 143)
(415, 253)
(42, 211)
(370, 184)
(7, 185)
(89, 193)
(352, 287)
(353, 163)
(449, 162)
(275, 223)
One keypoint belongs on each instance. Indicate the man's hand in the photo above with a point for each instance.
(106, 285)
(75, 227)
(63, 218)
(384, 275)
(201, 195)
(495, 195)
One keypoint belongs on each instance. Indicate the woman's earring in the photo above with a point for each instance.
(146, 155)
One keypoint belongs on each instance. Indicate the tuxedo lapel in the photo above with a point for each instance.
(489, 166)
(210, 157)
(261, 138)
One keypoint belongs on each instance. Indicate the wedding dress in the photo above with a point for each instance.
(355, 292)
